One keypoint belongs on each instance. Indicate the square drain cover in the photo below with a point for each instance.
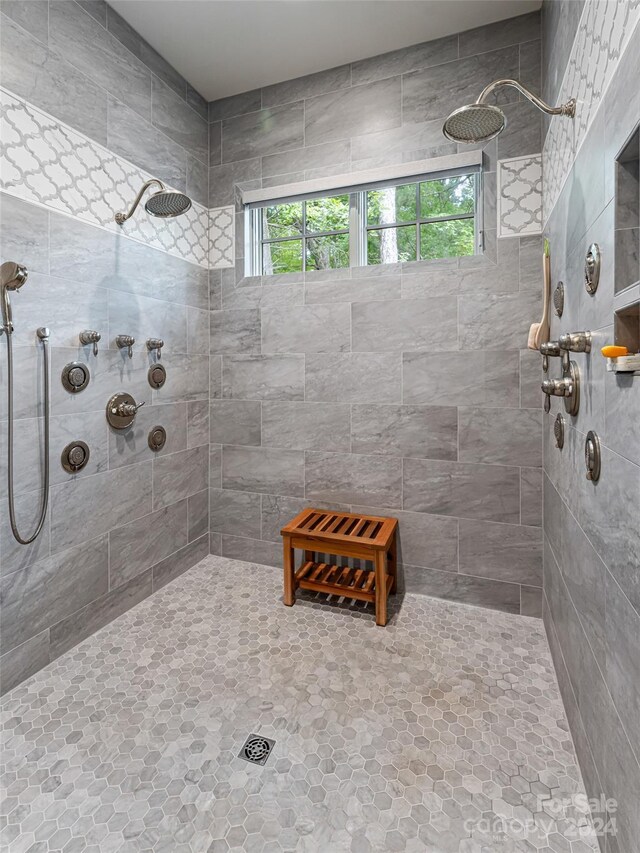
(257, 749)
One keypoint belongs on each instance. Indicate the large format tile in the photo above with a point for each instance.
(435, 92)
(311, 328)
(350, 112)
(108, 499)
(171, 114)
(24, 233)
(44, 78)
(235, 422)
(100, 56)
(263, 377)
(310, 157)
(263, 469)
(263, 132)
(459, 379)
(18, 664)
(413, 324)
(522, 28)
(307, 87)
(137, 546)
(463, 589)
(306, 426)
(354, 479)
(423, 431)
(503, 436)
(505, 552)
(35, 597)
(466, 490)
(406, 59)
(496, 322)
(235, 331)
(235, 513)
(354, 377)
(179, 475)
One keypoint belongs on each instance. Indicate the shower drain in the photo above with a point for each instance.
(257, 749)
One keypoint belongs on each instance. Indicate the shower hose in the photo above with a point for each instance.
(43, 334)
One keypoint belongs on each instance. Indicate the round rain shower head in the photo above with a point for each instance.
(474, 123)
(167, 203)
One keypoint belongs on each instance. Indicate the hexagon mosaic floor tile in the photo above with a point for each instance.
(443, 732)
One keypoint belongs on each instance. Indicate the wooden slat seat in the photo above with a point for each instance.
(342, 534)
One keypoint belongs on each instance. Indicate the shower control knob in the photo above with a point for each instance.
(568, 387)
(576, 342)
(90, 337)
(558, 387)
(121, 410)
(551, 348)
(155, 344)
(125, 342)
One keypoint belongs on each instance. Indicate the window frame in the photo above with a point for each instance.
(358, 226)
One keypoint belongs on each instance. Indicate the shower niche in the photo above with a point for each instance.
(627, 235)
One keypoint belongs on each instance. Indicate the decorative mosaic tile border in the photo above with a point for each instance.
(603, 34)
(46, 162)
(520, 196)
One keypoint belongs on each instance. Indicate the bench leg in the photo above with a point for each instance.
(309, 557)
(289, 573)
(392, 558)
(381, 587)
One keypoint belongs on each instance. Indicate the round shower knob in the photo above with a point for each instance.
(75, 456)
(157, 437)
(157, 375)
(75, 376)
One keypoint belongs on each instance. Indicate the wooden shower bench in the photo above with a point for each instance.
(343, 534)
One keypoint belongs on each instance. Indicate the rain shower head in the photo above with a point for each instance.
(163, 203)
(480, 122)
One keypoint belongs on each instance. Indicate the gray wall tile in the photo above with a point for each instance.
(235, 105)
(311, 157)
(23, 661)
(262, 469)
(235, 422)
(171, 114)
(367, 377)
(312, 328)
(455, 379)
(354, 479)
(516, 441)
(263, 132)
(198, 515)
(306, 87)
(45, 79)
(178, 563)
(264, 377)
(464, 589)
(511, 31)
(415, 324)
(35, 597)
(506, 552)
(463, 489)
(179, 475)
(32, 17)
(75, 628)
(423, 431)
(137, 546)
(252, 550)
(96, 53)
(235, 331)
(235, 513)
(306, 426)
(406, 59)
(351, 112)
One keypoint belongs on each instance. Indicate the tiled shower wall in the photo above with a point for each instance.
(592, 531)
(405, 390)
(131, 520)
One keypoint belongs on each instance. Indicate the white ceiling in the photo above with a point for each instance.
(224, 47)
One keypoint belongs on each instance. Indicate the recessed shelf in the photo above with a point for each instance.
(627, 225)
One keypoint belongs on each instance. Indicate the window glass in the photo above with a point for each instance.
(392, 204)
(390, 245)
(328, 214)
(447, 239)
(327, 253)
(282, 220)
(447, 196)
(282, 257)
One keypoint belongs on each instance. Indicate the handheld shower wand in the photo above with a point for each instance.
(12, 277)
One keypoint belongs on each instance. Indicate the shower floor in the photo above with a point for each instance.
(442, 732)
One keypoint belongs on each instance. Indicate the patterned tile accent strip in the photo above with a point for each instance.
(49, 163)
(520, 196)
(221, 237)
(603, 34)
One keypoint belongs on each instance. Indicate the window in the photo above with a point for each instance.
(434, 217)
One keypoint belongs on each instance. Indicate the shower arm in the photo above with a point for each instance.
(122, 217)
(568, 109)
